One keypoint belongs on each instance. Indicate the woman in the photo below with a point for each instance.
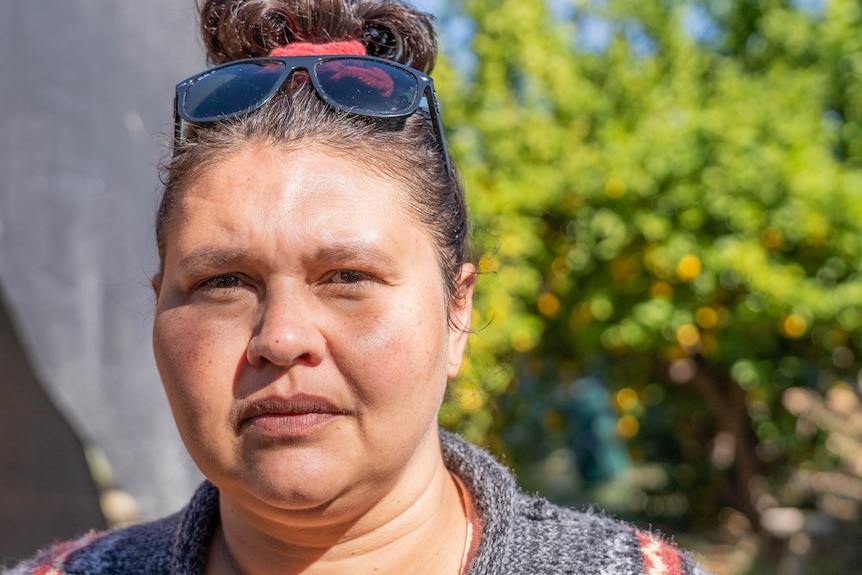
(313, 299)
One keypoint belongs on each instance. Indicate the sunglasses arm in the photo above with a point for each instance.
(433, 109)
(178, 122)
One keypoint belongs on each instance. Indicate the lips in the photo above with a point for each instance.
(296, 415)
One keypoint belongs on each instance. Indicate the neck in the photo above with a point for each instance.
(416, 526)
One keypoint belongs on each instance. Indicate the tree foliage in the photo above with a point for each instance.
(668, 198)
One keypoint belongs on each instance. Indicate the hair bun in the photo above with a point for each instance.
(398, 32)
(380, 41)
(234, 29)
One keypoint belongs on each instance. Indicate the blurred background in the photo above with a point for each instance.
(86, 89)
(668, 211)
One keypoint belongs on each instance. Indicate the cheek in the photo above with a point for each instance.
(396, 357)
(195, 358)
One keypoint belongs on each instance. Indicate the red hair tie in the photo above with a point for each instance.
(354, 47)
(374, 78)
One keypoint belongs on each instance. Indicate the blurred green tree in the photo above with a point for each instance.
(668, 198)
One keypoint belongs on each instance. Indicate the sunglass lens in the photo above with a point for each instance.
(365, 87)
(231, 90)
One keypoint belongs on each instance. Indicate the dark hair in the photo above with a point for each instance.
(404, 150)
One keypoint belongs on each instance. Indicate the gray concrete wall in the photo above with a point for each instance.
(86, 89)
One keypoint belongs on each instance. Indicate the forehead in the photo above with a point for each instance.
(269, 172)
(263, 190)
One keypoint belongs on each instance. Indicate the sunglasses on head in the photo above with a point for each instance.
(361, 85)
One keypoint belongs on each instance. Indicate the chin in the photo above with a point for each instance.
(295, 479)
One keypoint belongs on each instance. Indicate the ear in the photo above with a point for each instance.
(156, 283)
(460, 315)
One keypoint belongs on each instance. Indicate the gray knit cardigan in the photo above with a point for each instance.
(521, 535)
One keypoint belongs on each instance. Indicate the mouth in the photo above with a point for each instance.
(292, 416)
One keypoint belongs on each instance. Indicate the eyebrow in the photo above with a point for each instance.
(350, 251)
(205, 258)
(211, 257)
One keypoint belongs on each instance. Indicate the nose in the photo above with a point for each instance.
(287, 334)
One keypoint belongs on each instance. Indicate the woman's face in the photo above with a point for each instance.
(301, 329)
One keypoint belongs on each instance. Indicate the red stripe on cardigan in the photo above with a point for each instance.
(660, 557)
(53, 562)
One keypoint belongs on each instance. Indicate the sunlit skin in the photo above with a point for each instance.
(304, 340)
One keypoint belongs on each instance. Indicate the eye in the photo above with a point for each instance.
(350, 277)
(220, 282)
